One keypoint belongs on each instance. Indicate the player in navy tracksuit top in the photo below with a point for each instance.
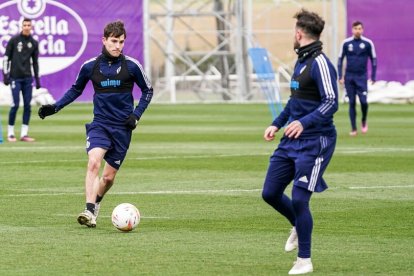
(109, 134)
(357, 49)
(309, 138)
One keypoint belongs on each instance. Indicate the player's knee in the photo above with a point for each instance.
(14, 108)
(270, 196)
(94, 164)
(108, 180)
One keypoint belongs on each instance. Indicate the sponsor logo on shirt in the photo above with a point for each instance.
(111, 83)
(294, 85)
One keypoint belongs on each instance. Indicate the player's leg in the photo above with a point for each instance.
(362, 91)
(95, 157)
(304, 227)
(27, 90)
(311, 163)
(279, 174)
(15, 86)
(104, 184)
(351, 92)
(114, 157)
(97, 142)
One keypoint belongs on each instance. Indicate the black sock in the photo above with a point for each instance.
(90, 207)
(98, 198)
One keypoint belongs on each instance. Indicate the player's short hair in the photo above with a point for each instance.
(114, 29)
(357, 23)
(310, 23)
(26, 20)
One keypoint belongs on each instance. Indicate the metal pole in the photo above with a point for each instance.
(146, 36)
(334, 16)
(241, 53)
(169, 62)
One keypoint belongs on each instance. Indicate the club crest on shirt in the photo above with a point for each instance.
(29, 45)
(362, 45)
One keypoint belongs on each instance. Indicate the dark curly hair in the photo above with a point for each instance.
(310, 23)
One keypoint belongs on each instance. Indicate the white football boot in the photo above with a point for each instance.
(87, 218)
(292, 241)
(301, 266)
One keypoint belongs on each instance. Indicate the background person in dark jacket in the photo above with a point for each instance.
(22, 52)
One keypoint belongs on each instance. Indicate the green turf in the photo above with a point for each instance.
(196, 172)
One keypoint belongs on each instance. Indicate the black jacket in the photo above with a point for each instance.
(21, 51)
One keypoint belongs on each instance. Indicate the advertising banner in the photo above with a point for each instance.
(389, 25)
(70, 33)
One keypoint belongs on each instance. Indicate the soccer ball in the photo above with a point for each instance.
(125, 217)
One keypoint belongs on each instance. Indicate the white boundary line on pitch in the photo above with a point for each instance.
(381, 187)
(102, 216)
(338, 150)
(138, 158)
(171, 192)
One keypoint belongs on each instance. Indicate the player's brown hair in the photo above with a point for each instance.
(310, 23)
(114, 29)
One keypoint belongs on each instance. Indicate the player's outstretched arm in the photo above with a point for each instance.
(47, 110)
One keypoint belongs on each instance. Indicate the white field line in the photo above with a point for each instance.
(178, 192)
(380, 187)
(138, 158)
(191, 192)
(102, 216)
(204, 156)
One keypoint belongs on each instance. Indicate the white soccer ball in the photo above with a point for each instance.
(125, 217)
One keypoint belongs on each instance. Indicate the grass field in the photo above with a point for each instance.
(196, 172)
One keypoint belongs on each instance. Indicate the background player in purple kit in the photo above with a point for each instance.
(109, 134)
(309, 138)
(357, 49)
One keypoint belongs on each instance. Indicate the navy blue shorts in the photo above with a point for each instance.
(114, 139)
(302, 160)
(356, 86)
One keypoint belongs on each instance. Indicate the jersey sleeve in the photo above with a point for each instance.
(325, 77)
(340, 60)
(144, 84)
(281, 120)
(77, 88)
(7, 57)
(373, 57)
(35, 60)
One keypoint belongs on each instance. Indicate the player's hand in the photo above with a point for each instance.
(269, 133)
(47, 110)
(294, 129)
(342, 81)
(6, 79)
(37, 80)
(132, 122)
